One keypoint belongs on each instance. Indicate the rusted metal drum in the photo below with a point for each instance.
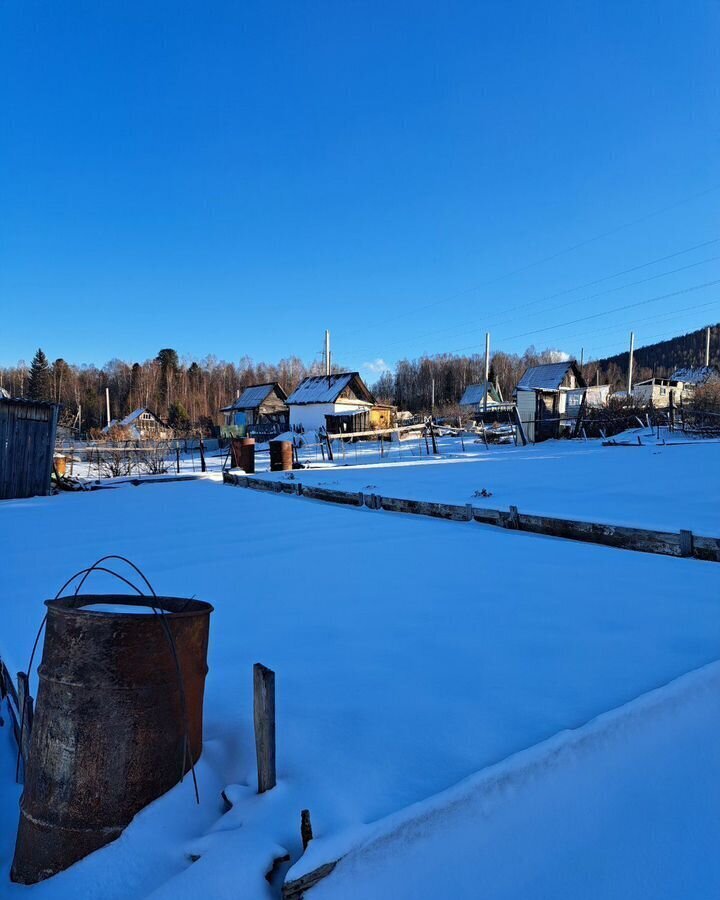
(109, 734)
(247, 455)
(60, 463)
(243, 454)
(281, 456)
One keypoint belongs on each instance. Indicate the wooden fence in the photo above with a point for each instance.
(27, 442)
(668, 543)
(19, 703)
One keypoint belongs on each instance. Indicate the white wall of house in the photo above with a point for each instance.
(311, 416)
(658, 394)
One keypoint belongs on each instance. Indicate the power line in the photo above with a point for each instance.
(636, 323)
(607, 312)
(594, 296)
(551, 257)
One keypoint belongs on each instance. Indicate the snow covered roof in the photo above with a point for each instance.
(254, 396)
(327, 389)
(548, 376)
(135, 415)
(696, 374)
(129, 420)
(475, 393)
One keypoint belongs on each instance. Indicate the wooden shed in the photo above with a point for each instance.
(27, 444)
(549, 397)
(383, 415)
(260, 408)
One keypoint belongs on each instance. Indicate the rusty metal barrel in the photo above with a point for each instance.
(243, 454)
(118, 720)
(281, 456)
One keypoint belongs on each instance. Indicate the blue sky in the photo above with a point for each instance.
(233, 178)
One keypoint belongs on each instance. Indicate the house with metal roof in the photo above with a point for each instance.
(319, 396)
(258, 405)
(142, 424)
(549, 397)
(474, 395)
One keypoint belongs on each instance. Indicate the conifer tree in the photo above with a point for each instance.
(40, 383)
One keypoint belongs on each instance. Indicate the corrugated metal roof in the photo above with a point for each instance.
(695, 374)
(546, 377)
(252, 396)
(475, 393)
(322, 388)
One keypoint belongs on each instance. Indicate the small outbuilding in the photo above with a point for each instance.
(27, 445)
(259, 406)
(549, 397)
(319, 396)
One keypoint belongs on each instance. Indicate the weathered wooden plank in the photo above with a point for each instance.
(620, 536)
(294, 890)
(264, 718)
(351, 498)
(25, 708)
(425, 508)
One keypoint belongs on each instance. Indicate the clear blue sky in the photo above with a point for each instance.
(232, 178)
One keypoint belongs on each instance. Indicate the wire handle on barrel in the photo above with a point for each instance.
(159, 612)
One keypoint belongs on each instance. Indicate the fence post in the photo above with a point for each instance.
(686, 542)
(306, 832)
(264, 717)
(25, 709)
(177, 459)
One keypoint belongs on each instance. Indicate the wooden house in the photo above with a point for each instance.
(259, 406)
(549, 396)
(142, 425)
(319, 396)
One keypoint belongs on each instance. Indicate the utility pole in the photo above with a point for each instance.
(707, 346)
(582, 356)
(327, 353)
(432, 395)
(107, 404)
(630, 363)
(487, 369)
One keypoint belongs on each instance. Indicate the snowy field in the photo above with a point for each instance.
(562, 810)
(655, 486)
(410, 654)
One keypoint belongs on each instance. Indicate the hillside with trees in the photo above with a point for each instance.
(656, 360)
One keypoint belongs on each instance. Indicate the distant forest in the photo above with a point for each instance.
(189, 393)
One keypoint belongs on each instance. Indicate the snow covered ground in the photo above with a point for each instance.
(410, 654)
(581, 815)
(654, 486)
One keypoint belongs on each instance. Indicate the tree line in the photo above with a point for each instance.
(189, 393)
(184, 393)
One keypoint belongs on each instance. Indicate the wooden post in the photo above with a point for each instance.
(432, 438)
(686, 542)
(177, 459)
(306, 832)
(203, 466)
(264, 715)
(25, 709)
